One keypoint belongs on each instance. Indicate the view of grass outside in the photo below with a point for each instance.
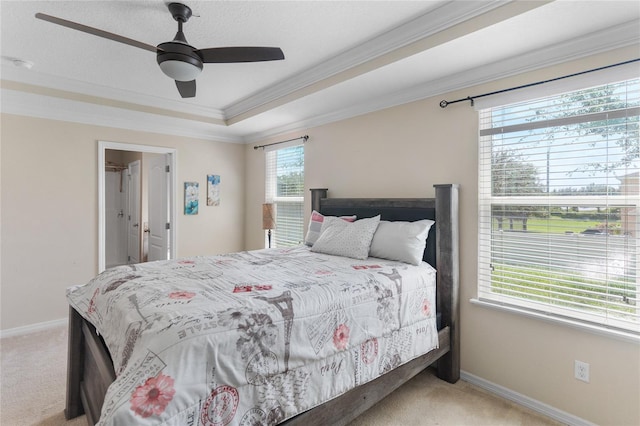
(564, 288)
(560, 225)
(555, 225)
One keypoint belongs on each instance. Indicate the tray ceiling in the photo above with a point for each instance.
(343, 58)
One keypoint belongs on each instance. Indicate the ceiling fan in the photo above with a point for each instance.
(177, 58)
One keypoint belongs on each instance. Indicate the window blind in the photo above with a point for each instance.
(559, 181)
(285, 188)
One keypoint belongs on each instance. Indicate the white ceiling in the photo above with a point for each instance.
(343, 58)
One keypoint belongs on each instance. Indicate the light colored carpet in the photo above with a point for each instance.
(33, 379)
(428, 401)
(33, 375)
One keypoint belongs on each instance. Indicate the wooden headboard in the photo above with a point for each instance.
(398, 209)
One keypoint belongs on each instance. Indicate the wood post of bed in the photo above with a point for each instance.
(447, 258)
(316, 195)
(75, 362)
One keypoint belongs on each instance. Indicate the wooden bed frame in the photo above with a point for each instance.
(90, 369)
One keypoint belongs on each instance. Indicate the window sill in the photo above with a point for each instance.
(618, 334)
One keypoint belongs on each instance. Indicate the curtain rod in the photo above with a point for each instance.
(305, 137)
(443, 103)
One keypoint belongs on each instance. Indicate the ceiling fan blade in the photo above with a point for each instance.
(187, 89)
(223, 55)
(96, 32)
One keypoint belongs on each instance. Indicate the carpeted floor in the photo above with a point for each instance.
(33, 378)
(33, 369)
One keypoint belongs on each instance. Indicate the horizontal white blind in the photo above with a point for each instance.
(559, 181)
(285, 188)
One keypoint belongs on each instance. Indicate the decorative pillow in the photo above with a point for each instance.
(403, 241)
(315, 226)
(348, 239)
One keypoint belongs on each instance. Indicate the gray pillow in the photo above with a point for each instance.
(348, 239)
(403, 241)
(315, 226)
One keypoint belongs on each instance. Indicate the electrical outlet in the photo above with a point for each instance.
(581, 371)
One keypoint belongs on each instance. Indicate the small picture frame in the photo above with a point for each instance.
(191, 195)
(213, 190)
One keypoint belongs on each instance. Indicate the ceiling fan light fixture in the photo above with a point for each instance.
(180, 70)
(179, 61)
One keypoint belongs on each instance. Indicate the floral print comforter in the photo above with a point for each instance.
(252, 338)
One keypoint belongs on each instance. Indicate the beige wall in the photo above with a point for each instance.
(401, 152)
(49, 217)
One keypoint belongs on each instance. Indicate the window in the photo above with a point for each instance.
(559, 181)
(285, 188)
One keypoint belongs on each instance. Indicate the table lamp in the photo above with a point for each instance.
(269, 219)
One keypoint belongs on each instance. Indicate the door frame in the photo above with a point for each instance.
(134, 204)
(172, 153)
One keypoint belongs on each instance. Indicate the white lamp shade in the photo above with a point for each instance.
(179, 70)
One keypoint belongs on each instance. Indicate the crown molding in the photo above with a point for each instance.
(432, 22)
(602, 41)
(606, 40)
(30, 77)
(53, 108)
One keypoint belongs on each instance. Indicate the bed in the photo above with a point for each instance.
(91, 376)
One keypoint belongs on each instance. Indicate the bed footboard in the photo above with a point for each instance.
(342, 410)
(89, 370)
(75, 366)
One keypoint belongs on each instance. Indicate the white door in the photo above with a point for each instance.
(133, 216)
(158, 207)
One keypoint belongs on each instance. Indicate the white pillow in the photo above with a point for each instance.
(315, 226)
(342, 238)
(403, 241)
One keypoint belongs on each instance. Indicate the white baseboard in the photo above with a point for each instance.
(518, 398)
(33, 328)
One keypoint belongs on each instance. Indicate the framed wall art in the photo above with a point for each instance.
(213, 190)
(191, 195)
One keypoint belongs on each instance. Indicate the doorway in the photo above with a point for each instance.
(115, 214)
(136, 204)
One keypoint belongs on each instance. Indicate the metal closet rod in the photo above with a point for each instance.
(305, 137)
(444, 104)
(115, 166)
